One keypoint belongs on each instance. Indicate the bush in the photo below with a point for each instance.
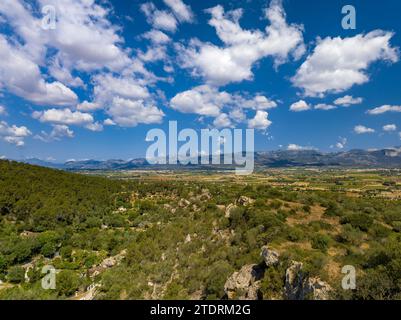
(321, 242)
(16, 274)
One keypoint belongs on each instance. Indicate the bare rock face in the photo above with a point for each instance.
(299, 287)
(228, 210)
(293, 281)
(317, 289)
(244, 284)
(244, 201)
(270, 257)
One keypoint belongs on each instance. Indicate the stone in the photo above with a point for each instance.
(228, 210)
(294, 281)
(300, 287)
(244, 284)
(270, 257)
(244, 201)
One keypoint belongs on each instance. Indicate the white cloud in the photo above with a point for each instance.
(389, 127)
(159, 19)
(342, 143)
(202, 100)
(157, 37)
(63, 116)
(242, 48)
(258, 103)
(13, 134)
(301, 105)
(109, 122)
(22, 77)
(87, 106)
(209, 101)
(260, 121)
(295, 147)
(152, 54)
(182, 11)
(337, 64)
(58, 132)
(323, 106)
(108, 86)
(222, 121)
(2, 110)
(130, 113)
(362, 129)
(346, 101)
(384, 109)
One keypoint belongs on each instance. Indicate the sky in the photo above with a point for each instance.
(85, 79)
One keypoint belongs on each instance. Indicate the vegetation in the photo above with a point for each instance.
(166, 236)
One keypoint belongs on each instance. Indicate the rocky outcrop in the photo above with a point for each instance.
(270, 257)
(228, 210)
(244, 201)
(317, 289)
(298, 286)
(293, 281)
(244, 284)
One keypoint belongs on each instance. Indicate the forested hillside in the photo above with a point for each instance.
(272, 235)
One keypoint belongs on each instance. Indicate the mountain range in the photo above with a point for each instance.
(380, 158)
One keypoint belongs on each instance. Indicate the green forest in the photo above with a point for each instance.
(184, 236)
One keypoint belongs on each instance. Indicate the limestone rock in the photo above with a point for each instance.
(244, 284)
(294, 281)
(299, 287)
(244, 201)
(228, 210)
(270, 257)
(317, 289)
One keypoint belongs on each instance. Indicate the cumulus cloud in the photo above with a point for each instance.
(384, 109)
(301, 105)
(260, 121)
(341, 143)
(22, 77)
(296, 147)
(389, 127)
(130, 113)
(337, 64)
(324, 106)
(159, 19)
(346, 101)
(242, 48)
(157, 37)
(182, 11)
(63, 116)
(58, 132)
(2, 110)
(222, 121)
(360, 129)
(13, 134)
(207, 100)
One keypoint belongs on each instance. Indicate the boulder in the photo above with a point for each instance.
(244, 284)
(270, 257)
(300, 287)
(316, 289)
(294, 281)
(228, 210)
(244, 201)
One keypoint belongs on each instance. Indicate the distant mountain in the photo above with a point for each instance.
(43, 163)
(383, 158)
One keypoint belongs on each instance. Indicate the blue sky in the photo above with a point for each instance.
(92, 86)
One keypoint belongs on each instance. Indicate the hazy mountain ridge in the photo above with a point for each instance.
(386, 158)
